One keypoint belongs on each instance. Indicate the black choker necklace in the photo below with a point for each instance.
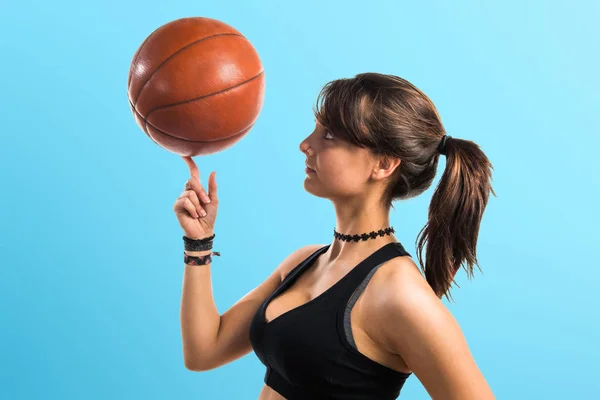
(364, 236)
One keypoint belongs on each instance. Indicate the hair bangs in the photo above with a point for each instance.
(343, 106)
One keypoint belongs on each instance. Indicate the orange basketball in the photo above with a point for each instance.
(196, 86)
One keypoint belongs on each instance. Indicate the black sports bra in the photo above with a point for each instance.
(309, 351)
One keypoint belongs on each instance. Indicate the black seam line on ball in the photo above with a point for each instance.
(177, 52)
(136, 56)
(143, 128)
(203, 96)
(184, 139)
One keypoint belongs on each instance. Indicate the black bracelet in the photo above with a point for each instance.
(202, 260)
(198, 244)
(207, 239)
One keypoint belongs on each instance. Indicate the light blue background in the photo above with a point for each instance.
(90, 250)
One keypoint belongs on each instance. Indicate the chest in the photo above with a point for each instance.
(313, 307)
(308, 287)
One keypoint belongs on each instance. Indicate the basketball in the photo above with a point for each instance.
(196, 86)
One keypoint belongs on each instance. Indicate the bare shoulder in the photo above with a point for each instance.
(296, 257)
(398, 283)
(399, 270)
(399, 290)
(408, 319)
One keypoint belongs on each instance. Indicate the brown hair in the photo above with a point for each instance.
(391, 117)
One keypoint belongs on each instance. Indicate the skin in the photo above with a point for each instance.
(398, 320)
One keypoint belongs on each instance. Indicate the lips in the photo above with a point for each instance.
(307, 166)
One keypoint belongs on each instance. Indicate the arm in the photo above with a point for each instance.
(413, 323)
(211, 340)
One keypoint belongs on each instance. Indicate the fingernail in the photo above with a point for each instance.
(206, 198)
(203, 213)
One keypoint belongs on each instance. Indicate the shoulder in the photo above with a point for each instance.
(397, 273)
(406, 318)
(403, 306)
(296, 257)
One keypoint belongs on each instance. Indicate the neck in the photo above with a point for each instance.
(356, 219)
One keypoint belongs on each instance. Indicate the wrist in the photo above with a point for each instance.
(198, 249)
(198, 253)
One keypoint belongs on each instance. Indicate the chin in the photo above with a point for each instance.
(314, 189)
(310, 187)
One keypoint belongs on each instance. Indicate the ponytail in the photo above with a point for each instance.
(455, 213)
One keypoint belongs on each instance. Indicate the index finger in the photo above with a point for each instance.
(192, 166)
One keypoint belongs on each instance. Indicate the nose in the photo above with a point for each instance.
(305, 147)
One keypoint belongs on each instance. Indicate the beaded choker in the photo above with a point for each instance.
(364, 236)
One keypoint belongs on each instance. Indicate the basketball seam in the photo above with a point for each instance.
(146, 123)
(173, 55)
(137, 55)
(143, 127)
(202, 97)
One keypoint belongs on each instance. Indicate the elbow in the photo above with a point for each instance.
(197, 365)
(199, 359)
(190, 365)
(193, 365)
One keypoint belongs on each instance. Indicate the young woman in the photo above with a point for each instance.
(355, 318)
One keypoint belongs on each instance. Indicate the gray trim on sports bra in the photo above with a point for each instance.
(352, 301)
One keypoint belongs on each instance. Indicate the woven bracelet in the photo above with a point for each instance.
(201, 260)
(198, 244)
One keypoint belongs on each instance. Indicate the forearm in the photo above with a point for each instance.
(199, 316)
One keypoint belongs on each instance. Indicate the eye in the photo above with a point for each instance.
(327, 133)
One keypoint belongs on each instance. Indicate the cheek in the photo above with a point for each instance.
(345, 176)
(348, 182)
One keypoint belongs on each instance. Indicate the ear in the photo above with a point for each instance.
(385, 166)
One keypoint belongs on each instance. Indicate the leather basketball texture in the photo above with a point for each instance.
(196, 86)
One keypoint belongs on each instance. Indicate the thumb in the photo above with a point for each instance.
(212, 187)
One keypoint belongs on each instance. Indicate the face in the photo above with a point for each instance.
(342, 170)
